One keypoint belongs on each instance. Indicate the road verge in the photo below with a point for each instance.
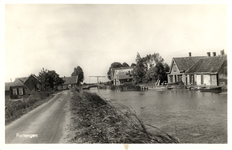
(15, 109)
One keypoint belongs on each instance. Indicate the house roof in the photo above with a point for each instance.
(70, 80)
(184, 63)
(209, 65)
(7, 86)
(24, 79)
(17, 82)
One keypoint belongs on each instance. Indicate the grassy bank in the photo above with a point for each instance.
(96, 120)
(15, 109)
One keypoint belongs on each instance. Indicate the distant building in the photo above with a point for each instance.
(69, 82)
(22, 86)
(121, 75)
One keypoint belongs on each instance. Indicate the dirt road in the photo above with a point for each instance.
(45, 124)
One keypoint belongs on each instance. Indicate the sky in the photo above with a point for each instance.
(60, 37)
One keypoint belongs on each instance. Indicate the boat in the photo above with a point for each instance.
(160, 88)
(86, 87)
(157, 88)
(216, 89)
(196, 88)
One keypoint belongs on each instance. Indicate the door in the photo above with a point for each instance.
(171, 78)
(202, 79)
(191, 79)
(213, 80)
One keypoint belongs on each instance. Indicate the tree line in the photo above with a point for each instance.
(50, 80)
(150, 68)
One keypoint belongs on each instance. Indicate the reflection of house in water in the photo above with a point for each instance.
(121, 75)
(22, 86)
(199, 70)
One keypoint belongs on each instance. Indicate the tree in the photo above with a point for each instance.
(157, 58)
(157, 73)
(133, 65)
(54, 79)
(125, 65)
(138, 58)
(49, 79)
(139, 70)
(113, 65)
(78, 72)
(149, 68)
(166, 67)
(151, 59)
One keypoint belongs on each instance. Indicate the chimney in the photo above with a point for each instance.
(222, 52)
(190, 54)
(10, 80)
(208, 54)
(214, 53)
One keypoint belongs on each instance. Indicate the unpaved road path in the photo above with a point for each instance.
(45, 124)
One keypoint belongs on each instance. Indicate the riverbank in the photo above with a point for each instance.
(95, 120)
(126, 87)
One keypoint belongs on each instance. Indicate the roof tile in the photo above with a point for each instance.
(210, 64)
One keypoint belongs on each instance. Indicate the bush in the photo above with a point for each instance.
(15, 109)
(14, 96)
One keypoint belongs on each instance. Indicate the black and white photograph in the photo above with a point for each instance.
(125, 74)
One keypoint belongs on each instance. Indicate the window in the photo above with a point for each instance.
(15, 91)
(171, 78)
(20, 91)
(191, 79)
(179, 77)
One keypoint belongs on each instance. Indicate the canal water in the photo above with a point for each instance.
(192, 116)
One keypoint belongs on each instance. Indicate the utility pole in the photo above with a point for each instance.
(98, 77)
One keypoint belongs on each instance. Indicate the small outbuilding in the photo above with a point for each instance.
(22, 86)
(69, 82)
(121, 75)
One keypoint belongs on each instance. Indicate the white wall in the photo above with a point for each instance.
(198, 79)
(206, 79)
(214, 80)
